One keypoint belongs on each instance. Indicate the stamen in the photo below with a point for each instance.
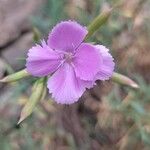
(68, 57)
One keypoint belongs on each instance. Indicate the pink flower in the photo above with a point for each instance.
(73, 64)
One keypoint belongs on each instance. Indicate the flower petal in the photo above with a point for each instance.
(107, 67)
(86, 62)
(66, 36)
(42, 60)
(65, 87)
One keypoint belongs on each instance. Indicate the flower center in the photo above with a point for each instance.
(68, 57)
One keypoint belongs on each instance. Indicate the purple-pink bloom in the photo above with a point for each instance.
(73, 64)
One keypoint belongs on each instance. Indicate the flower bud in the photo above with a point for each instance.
(121, 79)
(33, 100)
(15, 76)
(98, 22)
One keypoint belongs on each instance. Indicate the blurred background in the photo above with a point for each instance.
(106, 117)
